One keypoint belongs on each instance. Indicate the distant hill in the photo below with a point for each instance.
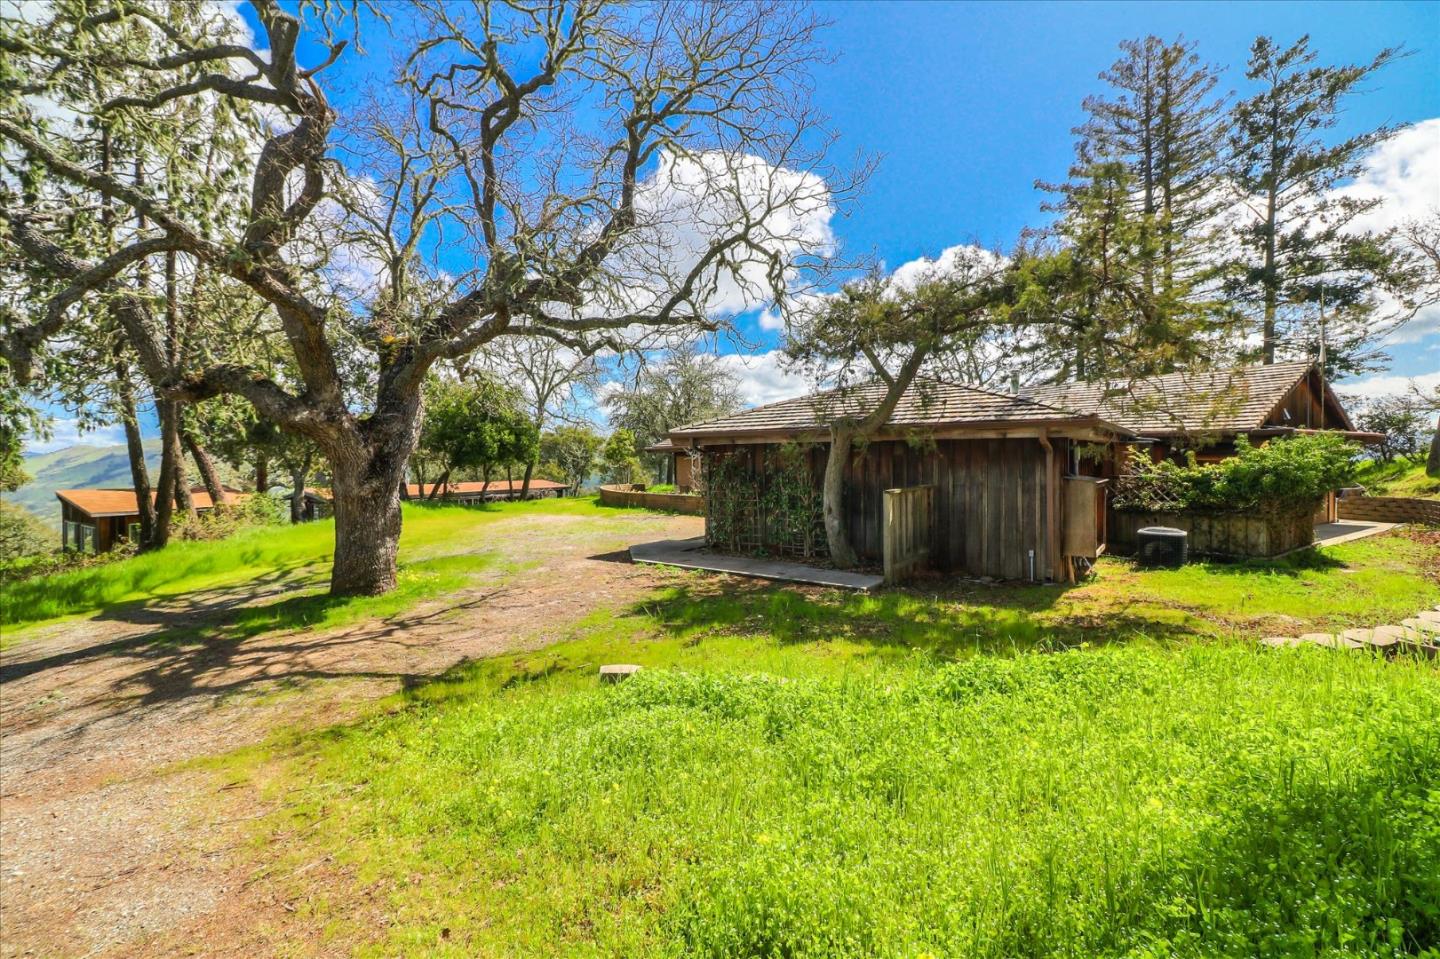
(76, 467)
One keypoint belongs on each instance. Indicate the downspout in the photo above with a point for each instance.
(1051, 502)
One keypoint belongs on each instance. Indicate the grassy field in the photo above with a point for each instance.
(771, 798)
(1110, 769)
(1401, 477)
(439, 548)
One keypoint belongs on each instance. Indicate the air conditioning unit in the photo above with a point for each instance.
(1162, 546)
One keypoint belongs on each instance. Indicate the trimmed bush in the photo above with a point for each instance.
(1286, 475)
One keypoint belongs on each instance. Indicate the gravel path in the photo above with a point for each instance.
(111, 844)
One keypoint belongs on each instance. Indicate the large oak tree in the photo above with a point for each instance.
(559, 170)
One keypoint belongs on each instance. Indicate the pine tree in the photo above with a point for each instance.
(1129, 284)
(1297, 246)
(1164, 121)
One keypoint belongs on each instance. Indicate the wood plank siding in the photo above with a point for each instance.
(989, 502)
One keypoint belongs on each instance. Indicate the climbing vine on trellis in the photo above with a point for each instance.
(764, 501)
(732, 503)
(794, 505)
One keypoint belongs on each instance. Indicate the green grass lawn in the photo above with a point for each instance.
(1400, 477)
(1110, 769)
(771, 798)
(440, 546)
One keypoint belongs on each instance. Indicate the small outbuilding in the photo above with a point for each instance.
(98, 519)
(976, 482)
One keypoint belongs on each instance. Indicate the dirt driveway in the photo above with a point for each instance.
(111, 845)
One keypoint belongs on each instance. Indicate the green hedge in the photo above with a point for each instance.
(1282, 474)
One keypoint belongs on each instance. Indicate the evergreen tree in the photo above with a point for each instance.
(1298, 252)
(1127, 286)
(1165, 122)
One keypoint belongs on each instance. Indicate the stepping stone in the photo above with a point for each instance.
(1412, 639)
(1329, 640)
(1417, 640)
(1432, 615)
(1279, 642)
(1422, 625)
(617, 672)
(1368, 638)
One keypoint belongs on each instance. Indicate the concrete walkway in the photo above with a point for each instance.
(1420, 634)
(1343, 531)
(691, 554)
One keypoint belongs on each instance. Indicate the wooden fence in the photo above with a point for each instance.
(1390, 509)
(908, 520)
(635, 495)
(1238, 535)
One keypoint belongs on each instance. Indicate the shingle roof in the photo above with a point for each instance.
(1217, 401)
(926, 403)
(122, 502)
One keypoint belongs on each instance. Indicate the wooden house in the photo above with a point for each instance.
(997, 464)
(98, 519)
(681, 466)
(1204, 413)
(1015, 484)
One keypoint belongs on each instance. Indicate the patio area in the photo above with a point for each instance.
(1345, 530)
(692, 554)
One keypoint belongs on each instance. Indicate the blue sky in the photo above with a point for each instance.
(967, 104)
(970, 103)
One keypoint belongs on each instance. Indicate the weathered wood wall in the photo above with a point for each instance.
(989, 509)
(909, 528)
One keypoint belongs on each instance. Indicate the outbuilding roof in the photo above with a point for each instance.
(422, 490)
(122, 502)
(1236, 400)
(927, 403)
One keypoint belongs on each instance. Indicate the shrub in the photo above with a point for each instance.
(1286, 475)
(258, 510)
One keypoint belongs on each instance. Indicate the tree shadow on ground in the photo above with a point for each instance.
(955, 620)
(229, 641)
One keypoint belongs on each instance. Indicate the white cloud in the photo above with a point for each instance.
(1404, 174)
(691, 202)
(964, 257)
(1388, 385)
(763, 378)
(67, 432)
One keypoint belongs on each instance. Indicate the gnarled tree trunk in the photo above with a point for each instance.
(842, 554)
(206, 466)
(139, 472)
(1432, 462)
(367, 526)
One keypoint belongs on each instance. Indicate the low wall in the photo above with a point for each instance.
(635, 495)
(1239, 535)
(1390, 509)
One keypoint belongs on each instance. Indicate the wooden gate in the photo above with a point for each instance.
(908, 521)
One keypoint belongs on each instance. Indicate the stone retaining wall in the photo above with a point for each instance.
(1390, 509)
(635, 495)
